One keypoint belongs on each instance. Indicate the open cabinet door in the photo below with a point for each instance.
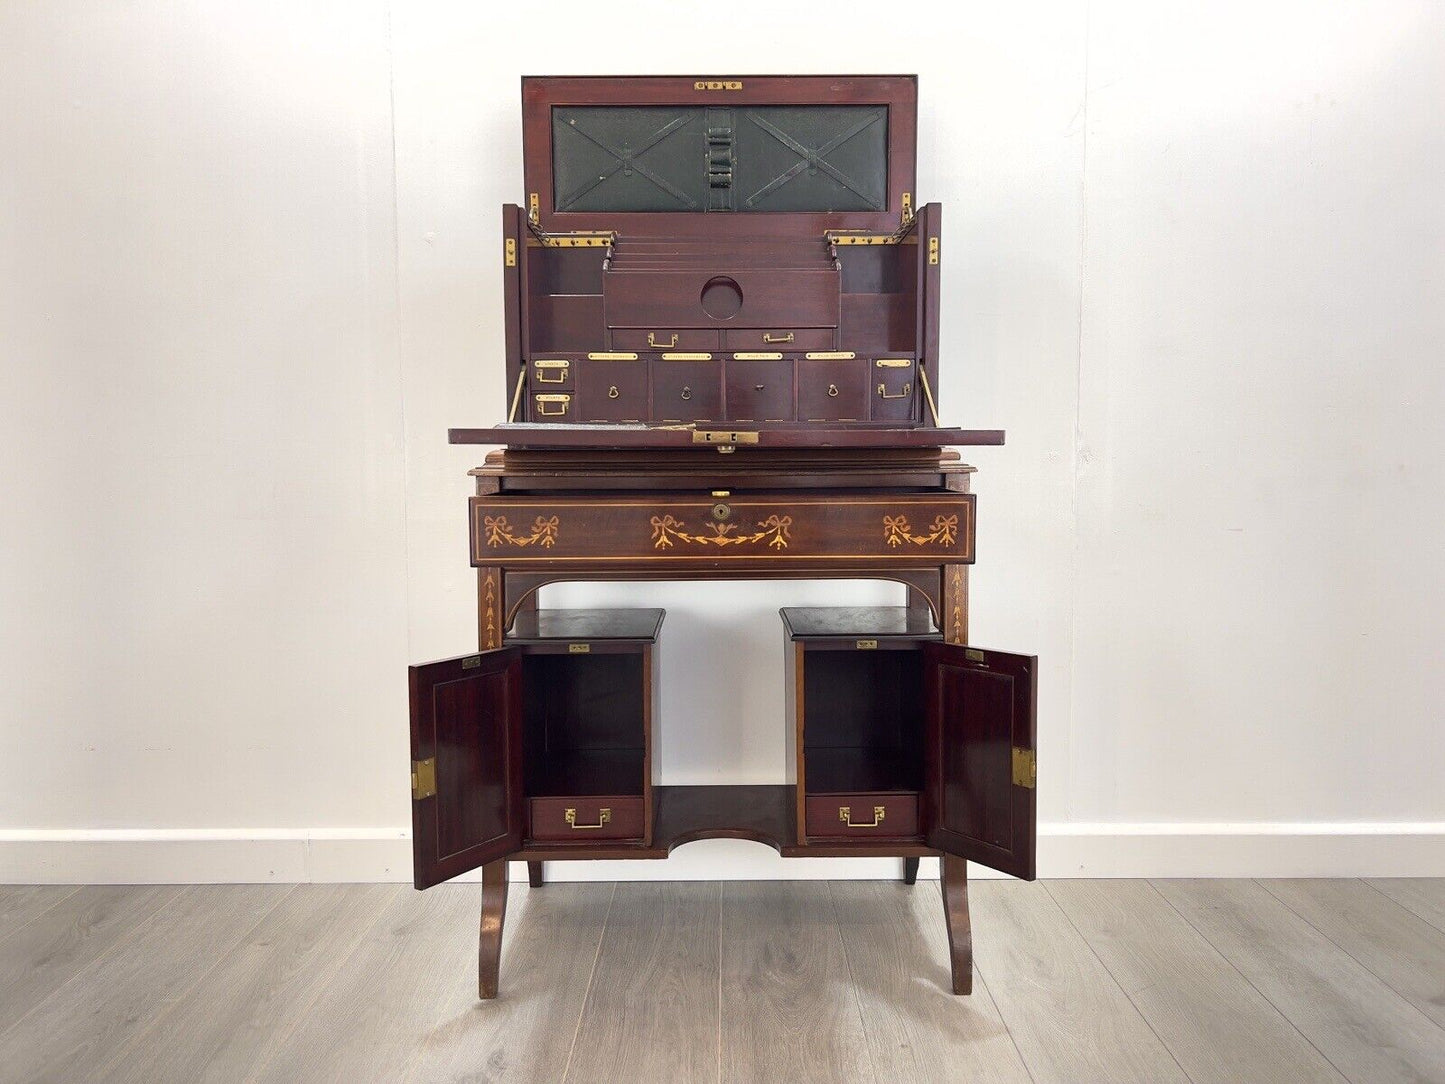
(979, 793)
(466, 763)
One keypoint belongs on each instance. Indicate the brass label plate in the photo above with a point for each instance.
(830, 355)
(687, 357)
(759, 355)
(894, 363)
(612, 355)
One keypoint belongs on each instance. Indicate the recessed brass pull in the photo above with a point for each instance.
(845, 815)
(603, 816)
(769, 337)
(904, 394)
(652, 341)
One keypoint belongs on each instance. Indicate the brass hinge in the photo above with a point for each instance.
(718, 84)
(423, 778)
(509, 252)
(579, 649)
(933, 251)
(1026, 769)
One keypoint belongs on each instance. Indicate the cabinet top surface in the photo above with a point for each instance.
(803, 622)
(609, 624)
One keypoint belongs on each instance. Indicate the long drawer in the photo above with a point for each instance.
(901, 530)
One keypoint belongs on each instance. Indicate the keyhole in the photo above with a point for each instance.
(612, 392)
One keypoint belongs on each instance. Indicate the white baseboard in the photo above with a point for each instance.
(241, 855)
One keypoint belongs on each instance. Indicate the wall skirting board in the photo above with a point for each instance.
(207, 856)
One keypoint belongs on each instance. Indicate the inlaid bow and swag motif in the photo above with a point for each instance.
(897, 531)
(499, 532)
(774, 531)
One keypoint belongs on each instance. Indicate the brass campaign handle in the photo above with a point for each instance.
(652, 341)
(769, 337)
(845, 815)
(883, 392)
(603, 816)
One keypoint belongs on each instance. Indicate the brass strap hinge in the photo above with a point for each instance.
(423, 778)
(1026, 768)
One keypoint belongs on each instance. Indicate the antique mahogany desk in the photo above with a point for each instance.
(722, 314)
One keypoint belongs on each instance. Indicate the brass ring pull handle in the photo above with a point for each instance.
(769, 337)
(612, 392)
(603, 816)
(845, 815)
(759, 387)
(652, 341)
(833, 390)
(686, 393)
(883, 392)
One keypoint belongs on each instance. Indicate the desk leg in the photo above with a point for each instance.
(910, 871)
(534, 874)
(494, 912)
(954, 881)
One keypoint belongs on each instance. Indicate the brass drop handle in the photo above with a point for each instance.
(544, 402)
(845, 815)
(833, 390)
(883, 392)
(652, 341)
(686, 393)
(769, 337)
(603, 816)
(612, 392)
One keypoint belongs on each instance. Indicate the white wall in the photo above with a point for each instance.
(1194, 259)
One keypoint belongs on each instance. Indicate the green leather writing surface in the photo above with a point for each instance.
(750, 158)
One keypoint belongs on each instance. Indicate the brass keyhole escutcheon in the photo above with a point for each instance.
(720, 511)
(833, 390)
(687, 393)
(612, 392)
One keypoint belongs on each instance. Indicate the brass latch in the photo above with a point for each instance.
(723, 436)
(423, 778)
(866, 645)
(579, 649)
(534, 214)
(1026, 769)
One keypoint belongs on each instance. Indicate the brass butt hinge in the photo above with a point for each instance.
(933, 251)
(1026, 768)
(423, 778)
(509, 252)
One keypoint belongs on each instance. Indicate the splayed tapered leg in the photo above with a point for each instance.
(954, 882)
(494, 912)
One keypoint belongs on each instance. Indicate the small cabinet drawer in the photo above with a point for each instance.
(862, 816)
(760, 389)
(586, 819)
(893, 389)
(684, 391)
(833, 390)
(778, 338)
(611, 391)
(641, 338)
(553, 406)
(547, 373)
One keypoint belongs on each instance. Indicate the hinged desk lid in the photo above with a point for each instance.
(672, 155)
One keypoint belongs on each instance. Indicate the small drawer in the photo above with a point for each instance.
(611, 391)
(760, 389)
(552, 406)
(641, 338)
(547, 373)
(687, 390)
(586, 819)
(862, 816)
(893, 389)
(778, 338)
(833, 391)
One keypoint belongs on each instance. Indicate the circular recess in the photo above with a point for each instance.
(721, 298)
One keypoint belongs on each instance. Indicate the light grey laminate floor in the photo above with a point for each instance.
(1075, 981)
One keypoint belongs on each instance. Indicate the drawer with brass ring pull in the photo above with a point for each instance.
(832, 389)
(611, 387)
(586, 818)
(686, 388)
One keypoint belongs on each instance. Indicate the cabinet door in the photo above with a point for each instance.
(466, 763)
(979, 791)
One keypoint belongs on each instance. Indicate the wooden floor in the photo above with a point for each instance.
(1075, 981)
